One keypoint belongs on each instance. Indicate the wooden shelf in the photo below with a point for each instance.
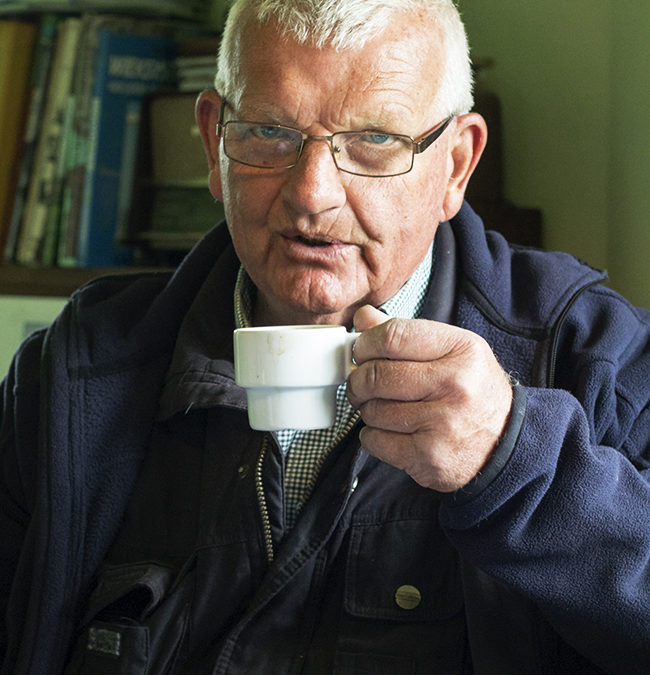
(53, 281)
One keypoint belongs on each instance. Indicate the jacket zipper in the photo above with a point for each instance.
(261, 497)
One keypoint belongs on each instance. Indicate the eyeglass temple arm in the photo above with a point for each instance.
(423, 144)
(222, 111)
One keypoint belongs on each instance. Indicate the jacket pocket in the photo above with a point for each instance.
(403, 600)
(402, 570)
(135, 622)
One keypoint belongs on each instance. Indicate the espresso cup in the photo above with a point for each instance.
(291, 374)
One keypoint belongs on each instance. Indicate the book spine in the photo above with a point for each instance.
(17, 40)
(128, 67)
(40, 74)
(42, 192)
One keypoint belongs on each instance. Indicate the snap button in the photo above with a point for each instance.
(104, 641)
(355, 482)
(243, 470)
(408, 597)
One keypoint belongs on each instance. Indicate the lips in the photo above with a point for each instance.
(313, 241)
(312, 247)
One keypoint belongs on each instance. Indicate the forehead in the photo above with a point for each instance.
(393, 77)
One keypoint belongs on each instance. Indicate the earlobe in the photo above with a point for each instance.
(470, 137)
(206, 111)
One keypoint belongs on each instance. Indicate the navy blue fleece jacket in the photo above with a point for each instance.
(559, 521)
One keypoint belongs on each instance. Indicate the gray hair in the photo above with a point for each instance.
(345, 24)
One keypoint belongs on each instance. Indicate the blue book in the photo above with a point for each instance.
(128, 67)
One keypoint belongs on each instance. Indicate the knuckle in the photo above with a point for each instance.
(463, 387)
(363, 381)
(396, 335)
(368, 412)
(392, 416)
(372, 375)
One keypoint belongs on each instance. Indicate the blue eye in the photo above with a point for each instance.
(378, 139)
(272, 133)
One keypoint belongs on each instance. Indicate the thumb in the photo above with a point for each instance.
(367, 317)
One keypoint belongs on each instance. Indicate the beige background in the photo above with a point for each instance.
(573, 77)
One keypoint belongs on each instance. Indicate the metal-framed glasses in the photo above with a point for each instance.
(371, 153)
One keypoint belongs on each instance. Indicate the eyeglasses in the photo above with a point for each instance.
(375, 154)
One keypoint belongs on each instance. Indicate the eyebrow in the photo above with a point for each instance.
(260, 115)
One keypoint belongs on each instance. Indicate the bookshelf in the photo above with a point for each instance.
(165, 30)
(54, 281)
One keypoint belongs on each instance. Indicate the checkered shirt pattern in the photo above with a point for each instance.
(306, 451)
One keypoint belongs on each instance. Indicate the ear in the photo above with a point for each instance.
(206, 111)
(467, 145)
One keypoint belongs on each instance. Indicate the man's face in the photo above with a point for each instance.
(319, 243)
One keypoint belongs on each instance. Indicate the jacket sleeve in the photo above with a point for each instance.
(566, 520)
(19, 417)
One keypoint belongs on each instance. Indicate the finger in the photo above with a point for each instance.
(407, 381)
(439, 424)
(402, 451)
(408, 417)
(368, 317)
(431, 466)
(391, 447)
(412, 340)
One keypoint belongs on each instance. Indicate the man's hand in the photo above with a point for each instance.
(434, 398)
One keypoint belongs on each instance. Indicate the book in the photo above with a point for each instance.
(196, 63)
(43, 57)
(128, 67)
(196, 73)
(75, 151)
(18, 40)
(80, 105)
(43, 191)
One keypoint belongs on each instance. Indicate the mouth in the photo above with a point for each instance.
(314, 247)
(314, 241)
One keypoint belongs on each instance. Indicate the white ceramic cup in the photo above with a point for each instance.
(291, 374)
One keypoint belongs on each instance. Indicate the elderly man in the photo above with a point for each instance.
(480, 504)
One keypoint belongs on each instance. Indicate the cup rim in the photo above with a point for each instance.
(288, 328)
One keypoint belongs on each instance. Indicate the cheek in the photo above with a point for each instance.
(248, 200)
(397, 210)
(400, 221)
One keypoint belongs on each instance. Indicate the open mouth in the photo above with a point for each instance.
(307, 241)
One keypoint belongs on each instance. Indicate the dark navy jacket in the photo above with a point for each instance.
(544, 558)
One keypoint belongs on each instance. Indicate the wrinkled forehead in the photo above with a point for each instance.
(402, 65)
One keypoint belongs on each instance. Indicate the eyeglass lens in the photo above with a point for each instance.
(272, 146)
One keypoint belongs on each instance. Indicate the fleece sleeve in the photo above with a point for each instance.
(566, 520)
(16, 473)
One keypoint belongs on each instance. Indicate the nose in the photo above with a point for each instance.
(314, 184)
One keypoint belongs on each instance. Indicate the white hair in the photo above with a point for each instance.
(346, 24)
